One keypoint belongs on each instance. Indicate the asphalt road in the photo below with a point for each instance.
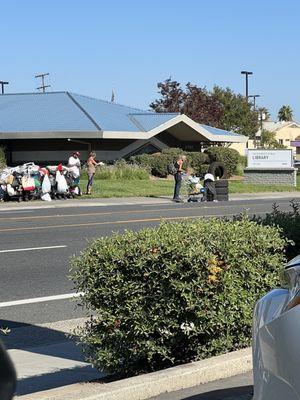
(36, 246)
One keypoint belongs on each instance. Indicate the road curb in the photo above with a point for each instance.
(131, 201)
(153, 384)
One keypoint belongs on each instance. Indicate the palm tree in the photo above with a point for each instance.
(265, 113)
(285, 113)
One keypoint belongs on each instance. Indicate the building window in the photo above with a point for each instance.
(280, 141)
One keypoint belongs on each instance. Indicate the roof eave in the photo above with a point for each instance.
(51, 135)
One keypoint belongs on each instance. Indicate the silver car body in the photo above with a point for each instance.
(276, 340)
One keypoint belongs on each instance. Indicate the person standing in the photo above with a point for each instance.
(178, 178)
(210, 188)
(74, 164)
(91, 170)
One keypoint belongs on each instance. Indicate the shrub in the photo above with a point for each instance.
(173, 294)
(243, 160)
(157, 163)
(160, 164)
(239, 170)
(143, 160)
(196, 160)
(121, 170)
(173, 152)
(230, 157)
(289, 224)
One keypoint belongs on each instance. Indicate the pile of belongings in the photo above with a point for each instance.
(30, 181)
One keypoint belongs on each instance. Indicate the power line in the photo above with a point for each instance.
(43, 87)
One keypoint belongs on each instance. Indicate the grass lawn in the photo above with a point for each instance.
(164, 187)
(129, 188)
(240, 187)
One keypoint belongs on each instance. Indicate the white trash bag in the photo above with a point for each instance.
(46, 185)
(62, 186)
(46, 197)
(10, 190)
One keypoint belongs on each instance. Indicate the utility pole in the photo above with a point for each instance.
(254, 96)
(2, 83)
(43, 87)
(247, 73)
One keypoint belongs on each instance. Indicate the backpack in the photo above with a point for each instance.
(172, 170)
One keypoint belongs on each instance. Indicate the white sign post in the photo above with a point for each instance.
(270, 159)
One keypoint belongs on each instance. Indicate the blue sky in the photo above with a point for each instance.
(91, 46)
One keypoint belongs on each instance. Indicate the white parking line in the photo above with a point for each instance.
(39, 299)
(33, 248)
(15, 211)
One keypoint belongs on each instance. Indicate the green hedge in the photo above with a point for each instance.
(230, 157)
(173, 294)
(289, 224)
(159, 162)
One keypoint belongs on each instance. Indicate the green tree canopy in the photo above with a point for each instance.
(238, 115)
(221, 108)
(285, 113)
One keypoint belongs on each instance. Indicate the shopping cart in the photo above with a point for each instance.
(192, 189)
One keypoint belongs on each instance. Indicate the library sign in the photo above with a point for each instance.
(270, 159)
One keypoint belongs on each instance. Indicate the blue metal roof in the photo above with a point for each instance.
(217, 131)
(109, 116)
(39, 112)
(148, 121)
(70, 112)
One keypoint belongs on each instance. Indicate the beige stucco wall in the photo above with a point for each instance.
(242, 147)
(287, 134)
(284, 135)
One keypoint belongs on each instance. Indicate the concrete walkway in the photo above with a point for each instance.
(46, 358)
(104, 202)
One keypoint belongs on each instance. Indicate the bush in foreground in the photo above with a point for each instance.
(173, 294)
(289, 224)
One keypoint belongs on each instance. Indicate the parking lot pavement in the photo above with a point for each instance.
(238, 387)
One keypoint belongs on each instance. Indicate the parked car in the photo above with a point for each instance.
(276, 333)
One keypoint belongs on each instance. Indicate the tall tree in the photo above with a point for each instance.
(195, 102)
(285, 113)
(265, 113)
(221, 108)
(238, 114)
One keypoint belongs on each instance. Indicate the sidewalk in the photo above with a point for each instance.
(50, 367)
(46, 358)
(107, 202)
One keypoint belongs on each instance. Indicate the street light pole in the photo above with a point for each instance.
(254, 99)
(2, 83)
(247, 73)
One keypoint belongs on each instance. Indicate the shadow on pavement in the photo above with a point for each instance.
(243, 393)
(45, 358)
(56, 379)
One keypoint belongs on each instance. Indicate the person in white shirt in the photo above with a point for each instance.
(210, 189)
(74, 164)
